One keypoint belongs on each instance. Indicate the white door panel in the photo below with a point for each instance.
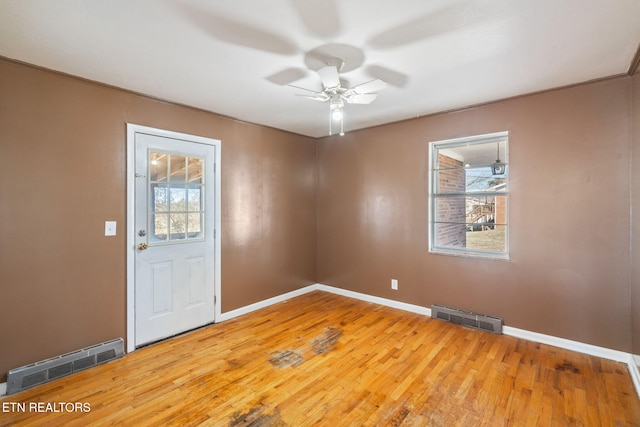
(174, 238)
(159, 292)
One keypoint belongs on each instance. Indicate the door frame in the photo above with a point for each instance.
(132, 129)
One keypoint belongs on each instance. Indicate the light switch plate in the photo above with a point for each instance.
(110, 228)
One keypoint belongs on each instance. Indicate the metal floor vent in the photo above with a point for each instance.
(38, 373)
(467, 318)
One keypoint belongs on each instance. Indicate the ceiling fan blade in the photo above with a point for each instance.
(365, 98)
(317, 97)
(329, 77)
(368, 87)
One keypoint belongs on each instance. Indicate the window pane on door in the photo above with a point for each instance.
(159, 228)
(178, 198)
(195, 202)
(176, 208)
(160, 198)
(195, 170)
(158, 167)
(178, 226)
(194, 225)
(178, 169)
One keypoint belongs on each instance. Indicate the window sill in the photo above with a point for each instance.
(471, 254)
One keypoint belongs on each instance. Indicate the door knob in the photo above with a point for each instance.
(142, 246)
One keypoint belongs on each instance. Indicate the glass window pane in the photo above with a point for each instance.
(177, 200)
(450, 235)
(160, 198)
(451, 181)
(490, 238)
(482, 179)
(471, 154)
(158, 166)
(450, 209)
(195, 199)
(460, 180)
(195, 170)
(178, 166)
(195, 225)
(480, 210)
(178, 226)
(475, 211)
(159, 227)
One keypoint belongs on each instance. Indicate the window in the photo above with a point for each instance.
(176, 208)
(468, 196)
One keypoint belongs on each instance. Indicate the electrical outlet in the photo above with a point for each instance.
(394, 284)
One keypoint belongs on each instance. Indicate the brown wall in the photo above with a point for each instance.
(63, 151)
(569, 273)
(635, 219)
(63, 155)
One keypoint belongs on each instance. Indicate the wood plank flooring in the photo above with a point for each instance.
(327, 360)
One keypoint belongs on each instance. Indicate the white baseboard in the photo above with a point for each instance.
(632, 361)
(266, 303)
(376, 300)
(592, 350)
(580, 347)
(320, 287)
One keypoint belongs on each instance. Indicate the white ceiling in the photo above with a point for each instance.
(237, 57)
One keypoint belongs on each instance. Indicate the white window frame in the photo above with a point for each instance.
(434, 148)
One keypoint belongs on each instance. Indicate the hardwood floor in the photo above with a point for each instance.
(328, 360)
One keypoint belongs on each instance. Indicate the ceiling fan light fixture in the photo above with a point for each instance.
(337, 95)
(336, 113)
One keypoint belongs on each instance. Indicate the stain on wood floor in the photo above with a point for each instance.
(286, 358)
(327, 340)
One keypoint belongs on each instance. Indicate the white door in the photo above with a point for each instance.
(173, 235)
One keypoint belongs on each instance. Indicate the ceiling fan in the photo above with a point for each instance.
(337, 95)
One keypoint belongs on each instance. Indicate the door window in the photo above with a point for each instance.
(176, 192)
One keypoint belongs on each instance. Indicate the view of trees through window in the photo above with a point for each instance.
(176, 208)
